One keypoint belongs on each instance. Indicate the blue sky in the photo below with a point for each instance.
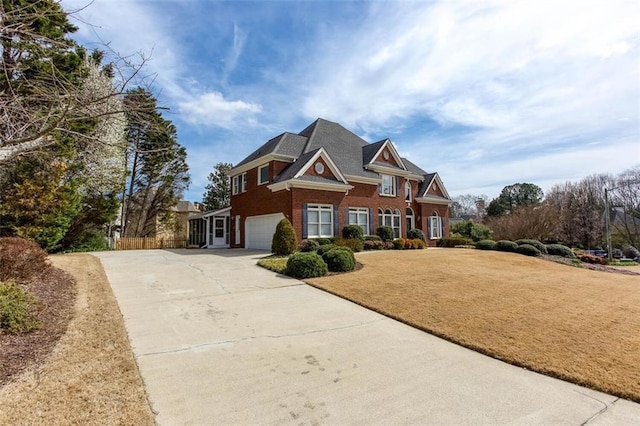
(486, 93)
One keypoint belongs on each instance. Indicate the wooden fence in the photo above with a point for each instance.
(145, 243)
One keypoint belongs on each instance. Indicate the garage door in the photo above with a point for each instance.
(259, 230)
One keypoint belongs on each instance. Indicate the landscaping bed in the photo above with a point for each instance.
(89, 376)
(572, 323)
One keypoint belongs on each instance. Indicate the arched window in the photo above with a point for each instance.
(407, 191)
(411, 222)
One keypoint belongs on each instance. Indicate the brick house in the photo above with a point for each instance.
(323, 179)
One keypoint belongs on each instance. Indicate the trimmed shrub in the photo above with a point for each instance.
(325, 248)
(308, 245)
(284, 240)
(486, 245)
(332, 240)
(453, 241)
(537, 244)
(388, 245)
(322, 241)
(416, 233)
(528, 250)
(353, 232)
(17, 308)
(408, 245)
(506, 245)
(21, 259)
(339, 260)
(560, 250)
(372, 238)
(418, 243)
(373, 245)
(385, 233)
(631, 252)
(354, 244)
(306, 265)
(398, 244)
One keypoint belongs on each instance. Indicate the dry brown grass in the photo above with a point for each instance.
(91, 377)
(579, 325)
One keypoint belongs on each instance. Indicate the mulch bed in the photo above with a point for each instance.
(593, 267)
(56, 290)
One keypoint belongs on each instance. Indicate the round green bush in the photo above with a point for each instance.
(372, 238)
(560, 250)
(353, 232)
(339, 260)
(306, 265)
(537, 244)
(325, 248)
(284, 241)
(416, 234)
(528, 250)
(308, 245)
(506, 245)
(322, 241)
(486, 245)
(385, 233)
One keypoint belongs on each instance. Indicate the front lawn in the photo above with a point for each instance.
(579, 325)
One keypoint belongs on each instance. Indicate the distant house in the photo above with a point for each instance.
(322, 179)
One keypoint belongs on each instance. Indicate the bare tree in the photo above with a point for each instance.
(44, 89)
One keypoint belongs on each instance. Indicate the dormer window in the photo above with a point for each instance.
(388, 186)
(239, 184)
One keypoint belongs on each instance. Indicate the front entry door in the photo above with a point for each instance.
(219, 231)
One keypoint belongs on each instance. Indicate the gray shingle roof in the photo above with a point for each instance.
(413, 168)
(428, 178)
(370, 150)
(349, 152)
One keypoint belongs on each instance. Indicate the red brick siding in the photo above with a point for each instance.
(259, 200)
(327, 174)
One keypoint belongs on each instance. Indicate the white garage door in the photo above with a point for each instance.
(259, 230)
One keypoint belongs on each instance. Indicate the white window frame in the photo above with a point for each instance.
(320, 208)
(387, 189)
(239, 184)
(360, 212)
(411, 216)
(435, 224)
(260, 181)
(407, 191)
(234, 185)
(392, 219)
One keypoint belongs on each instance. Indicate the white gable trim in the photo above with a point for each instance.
(322, 186)
(437, 179)
(386, 170)
(327, 159)
(387, 144)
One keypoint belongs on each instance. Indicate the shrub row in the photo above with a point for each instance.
(408, 244)
(453, 241)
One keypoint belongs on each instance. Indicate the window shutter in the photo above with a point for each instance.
(428, 227)
(304, 221)
(336, 224)
(346, 212)
(397, 185)
(370, 221)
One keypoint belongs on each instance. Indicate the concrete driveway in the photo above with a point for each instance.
(221, 341)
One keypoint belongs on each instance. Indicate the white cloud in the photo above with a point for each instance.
(213, 109)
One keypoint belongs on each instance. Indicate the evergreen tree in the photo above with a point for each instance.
(513, 196)
(217, 191)
(158, 171)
